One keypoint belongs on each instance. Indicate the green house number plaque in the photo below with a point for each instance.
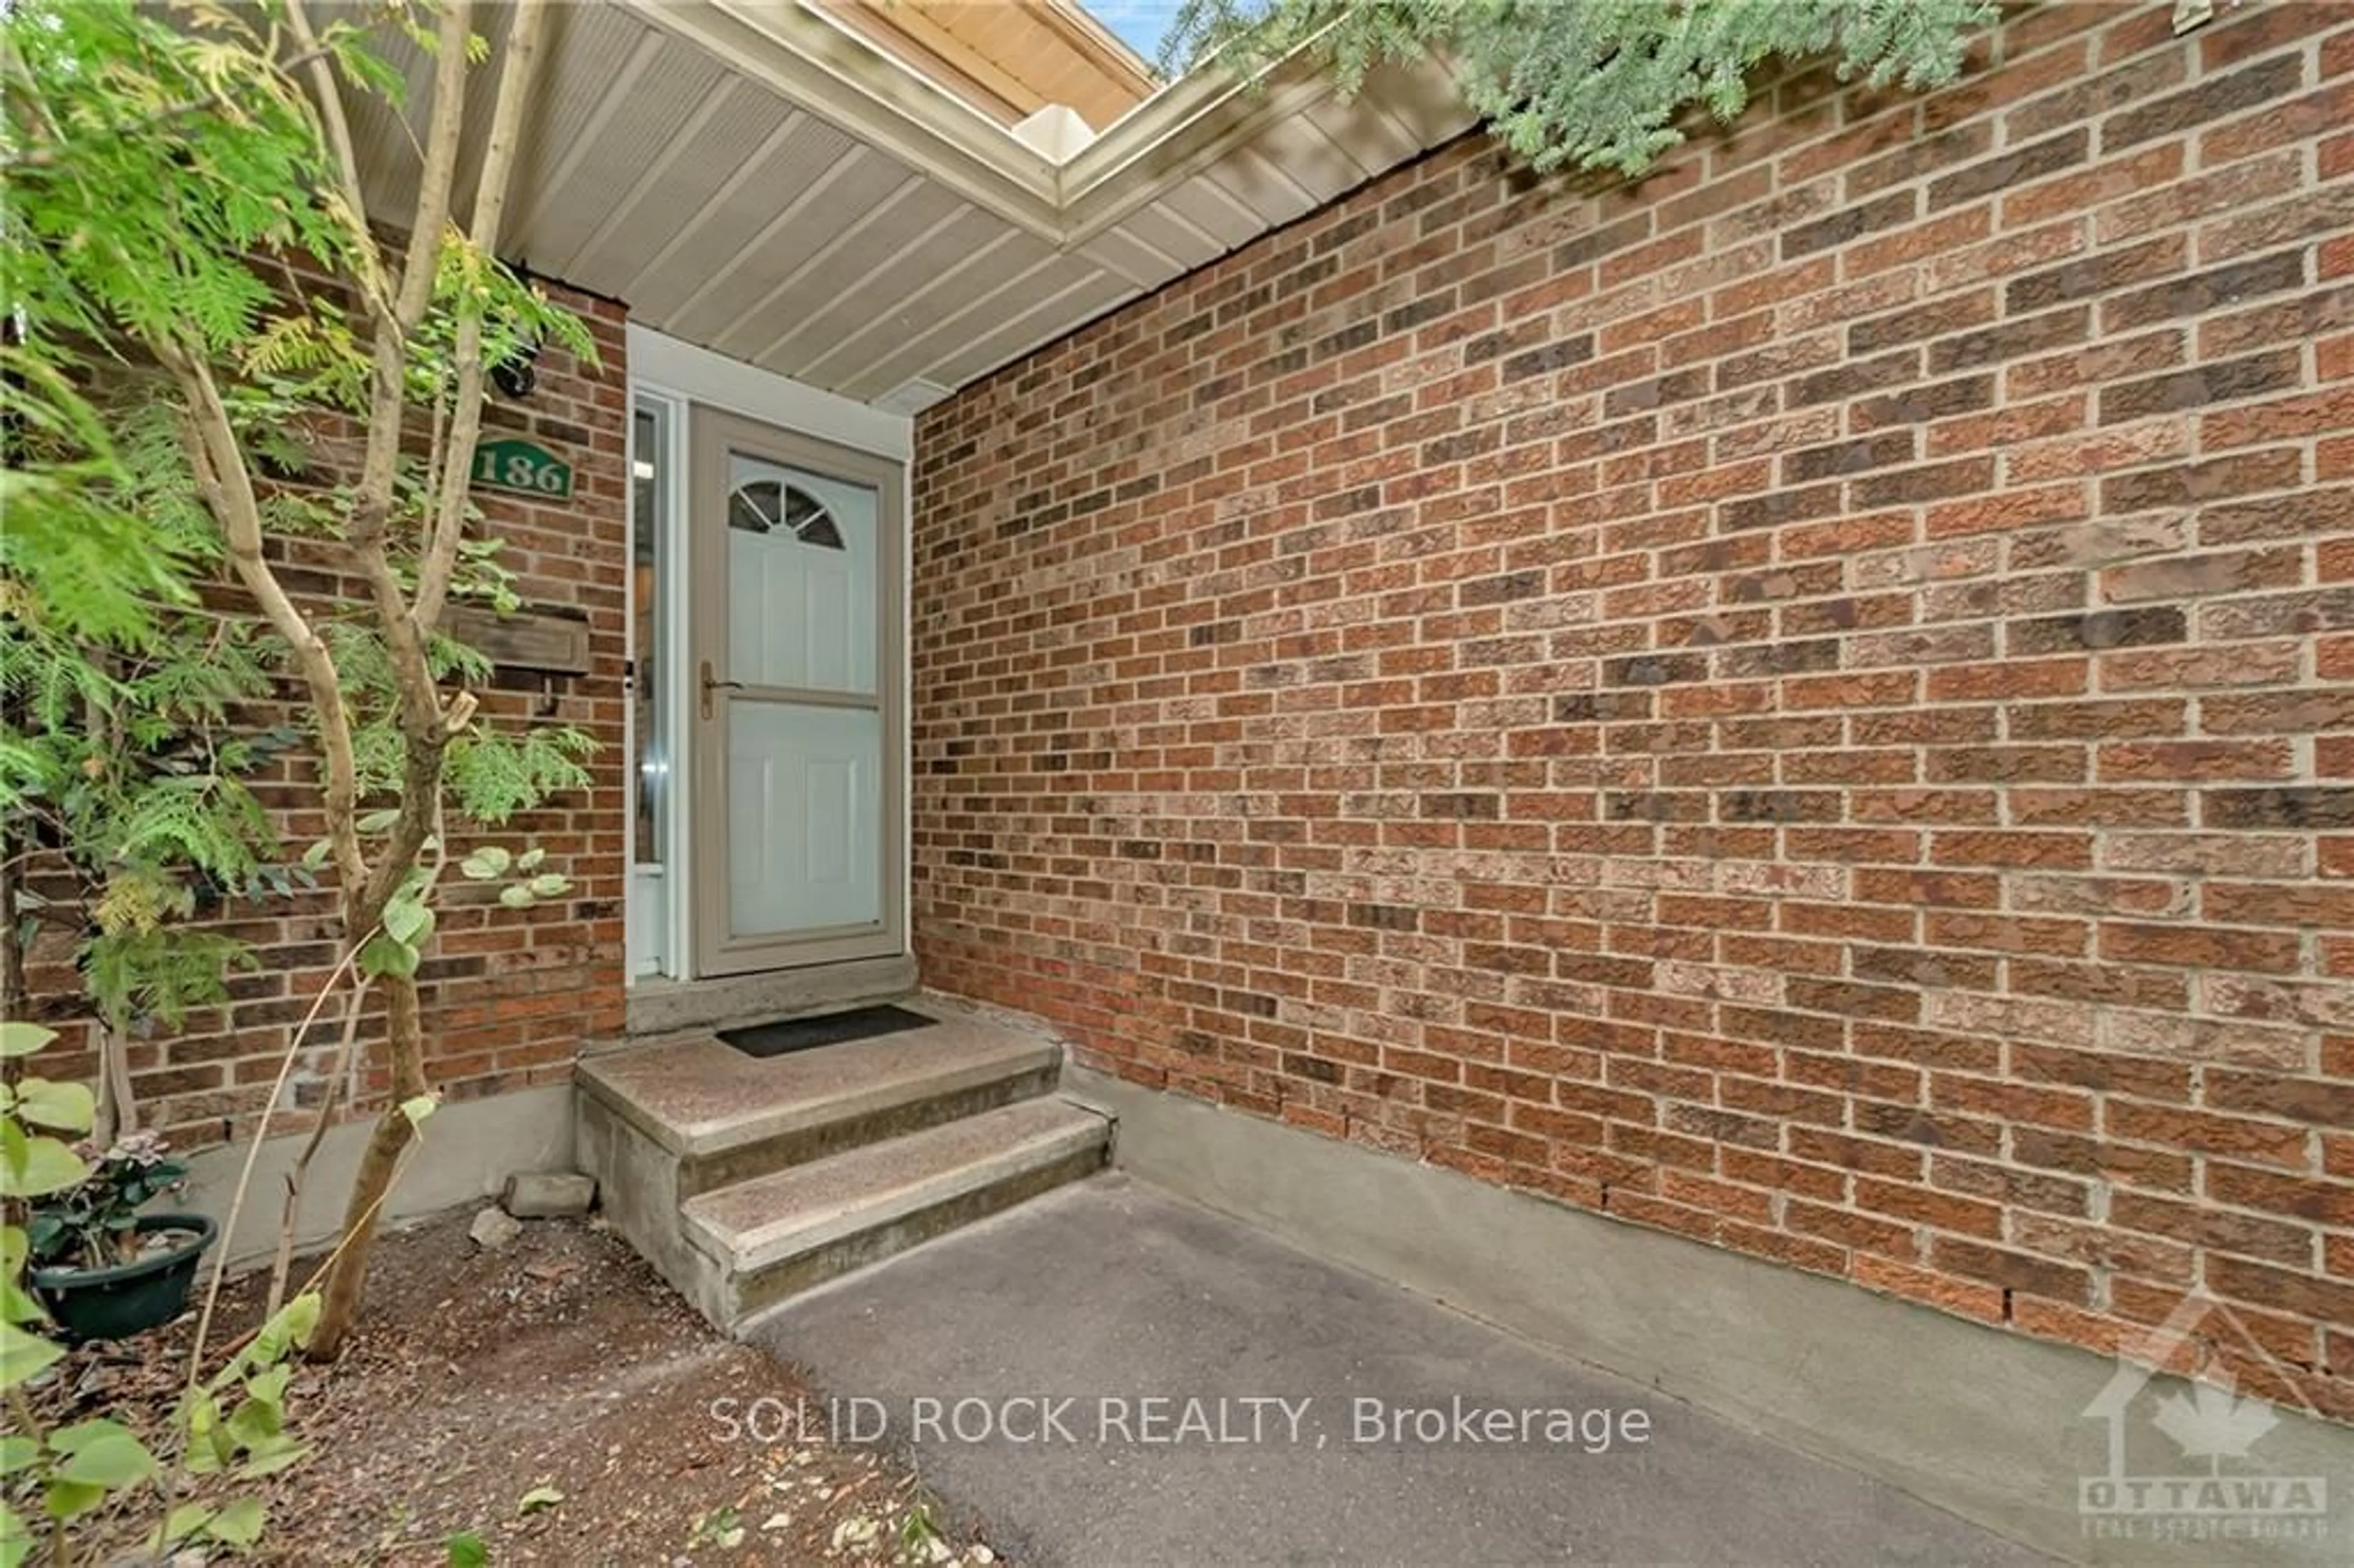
(523, 467)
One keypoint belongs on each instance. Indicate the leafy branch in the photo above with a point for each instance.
(1598, 84)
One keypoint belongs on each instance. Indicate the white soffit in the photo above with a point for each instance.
(751, 177)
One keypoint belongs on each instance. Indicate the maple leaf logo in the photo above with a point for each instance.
(2214, 1422)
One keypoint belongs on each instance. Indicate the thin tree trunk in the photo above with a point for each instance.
(281, 1267)
(118, 1105)
(405, 1040)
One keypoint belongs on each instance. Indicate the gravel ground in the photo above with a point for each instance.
(554, 1399)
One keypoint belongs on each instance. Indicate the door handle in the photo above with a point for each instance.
(711, 684)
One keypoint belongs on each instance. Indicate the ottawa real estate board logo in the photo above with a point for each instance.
(2186, 1461)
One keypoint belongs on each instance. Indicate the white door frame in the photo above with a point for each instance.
(667, 957)
(678, 376)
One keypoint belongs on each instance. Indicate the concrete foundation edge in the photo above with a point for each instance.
(637, 1185)
(469, 1148)
(1988, 1424)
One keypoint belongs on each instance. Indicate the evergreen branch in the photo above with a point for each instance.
(48, 154)
(1597, 84)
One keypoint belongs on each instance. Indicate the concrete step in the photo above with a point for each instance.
(776, 1235)
(724, 1118)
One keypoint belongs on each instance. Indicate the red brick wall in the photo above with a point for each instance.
(1809, 703)
(511, 994)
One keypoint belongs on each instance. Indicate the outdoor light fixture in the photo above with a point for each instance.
(516, 374)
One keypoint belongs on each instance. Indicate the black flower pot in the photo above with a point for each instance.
(129, 1297)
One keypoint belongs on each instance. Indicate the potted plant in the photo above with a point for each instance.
(104, 1269)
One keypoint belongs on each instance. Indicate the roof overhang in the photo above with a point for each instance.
(753, 177)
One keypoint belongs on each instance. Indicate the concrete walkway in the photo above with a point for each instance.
(1306, 1414)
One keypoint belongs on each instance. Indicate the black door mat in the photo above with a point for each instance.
(827, 1029)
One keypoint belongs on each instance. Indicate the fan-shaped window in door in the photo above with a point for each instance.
(769, 505)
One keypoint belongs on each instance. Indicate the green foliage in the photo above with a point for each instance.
(67, 543)
(121, 755)
(113, 117)
(194, 230)
(229, 1430)
(398, 944)
(1600, 84)
(919, 1531)
(198, 110)
(495, 774)
(126, 753)
(104, 104)
(722, 1527)
(34, 1162)
(160, 161)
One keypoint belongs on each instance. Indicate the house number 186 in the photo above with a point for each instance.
(523, 467)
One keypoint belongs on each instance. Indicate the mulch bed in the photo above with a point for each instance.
(559, 1365)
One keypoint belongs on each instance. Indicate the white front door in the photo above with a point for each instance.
(795, 699)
